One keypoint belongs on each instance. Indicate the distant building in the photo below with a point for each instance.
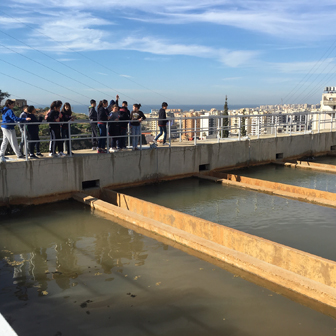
(328, 105)
(19, 102)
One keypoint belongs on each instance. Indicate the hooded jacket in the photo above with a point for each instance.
(8, 116)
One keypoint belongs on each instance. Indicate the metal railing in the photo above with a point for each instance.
(204, 128)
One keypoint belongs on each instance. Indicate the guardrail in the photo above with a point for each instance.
(215, 127)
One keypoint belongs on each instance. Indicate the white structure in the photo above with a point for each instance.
(328, 106)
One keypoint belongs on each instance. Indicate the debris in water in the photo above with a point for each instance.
(98, 273)
(158, 284)
(87, 312)
(128, 294)
(83, 305)
(44, 293)
(133, 295)
(201, 269)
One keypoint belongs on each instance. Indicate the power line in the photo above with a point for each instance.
(327, 53)
(22, 81)
(67, 66)
(88, 58)
(46, 79)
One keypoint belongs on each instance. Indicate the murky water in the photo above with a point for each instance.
(305, 226)
(331, 160)
(67, 271)
(298, 177)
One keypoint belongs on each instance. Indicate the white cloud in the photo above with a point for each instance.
(126, 76)
(321, 67)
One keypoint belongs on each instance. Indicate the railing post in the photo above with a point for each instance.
(258, 128)
(195, 138)
(107, 138)
(180, 129)
(69, 135)
(239, 128)
(128, 135)
(319, 123)
(140, 136)
(331, 123)
(169, 133)
(290, 125)
(218, 129)
(25, 141)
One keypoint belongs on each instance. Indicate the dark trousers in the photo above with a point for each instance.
(65, 135)
(102, 132)
(163, 130)
(94, 134)
(114, 131)
(22, 143)
(122, 140)
(31, 137)
(55, 140)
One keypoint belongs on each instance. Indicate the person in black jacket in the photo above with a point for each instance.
(66, 117)
(162, 124)
(93, 123)
(114, 127)
(54, 115)
(124, 116)
(102, 117)
(33, 131)
(136, 117)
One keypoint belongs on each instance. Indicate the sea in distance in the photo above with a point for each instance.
(148, 108)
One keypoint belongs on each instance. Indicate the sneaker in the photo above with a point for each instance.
(94, 148)
(2, 159)
(61, 154)
(111, 150)
(101, 151)
(39, 154)
(53, 155)
(154, 141)
(21, 157)
(33, 156)
(165, 144)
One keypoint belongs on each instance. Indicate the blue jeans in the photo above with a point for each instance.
(135, 139)
(102, 132)
(163, 130)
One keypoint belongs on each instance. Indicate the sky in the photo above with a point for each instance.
(182, 52)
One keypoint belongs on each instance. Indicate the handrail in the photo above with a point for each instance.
(254, 125)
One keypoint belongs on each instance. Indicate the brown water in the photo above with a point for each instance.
(67, 271)
(298, 177)
(305, 226)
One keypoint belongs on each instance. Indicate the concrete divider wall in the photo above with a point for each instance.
(24, 182)
(299, 262)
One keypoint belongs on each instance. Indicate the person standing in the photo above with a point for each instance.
(53, 117)
(66, 116)
(114, 128)
(93, 123)
(8, 131)
(102, 118)
(137, 117)
(33, 131)
(124, 116)
(22, 142)
(162, 122)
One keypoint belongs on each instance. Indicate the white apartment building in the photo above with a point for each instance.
(328, 106)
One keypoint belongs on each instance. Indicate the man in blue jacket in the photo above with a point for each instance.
(8, 131)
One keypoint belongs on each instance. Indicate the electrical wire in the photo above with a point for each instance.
(86, 57)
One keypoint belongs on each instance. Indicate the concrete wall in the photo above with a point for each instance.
(33, 181)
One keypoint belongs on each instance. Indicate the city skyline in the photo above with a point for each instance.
(255, 52)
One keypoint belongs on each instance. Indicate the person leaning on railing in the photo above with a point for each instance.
(33, 132)
(8, 131)
(137, 117)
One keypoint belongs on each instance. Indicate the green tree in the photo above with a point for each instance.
(225, 132)
(242, 125)
(3, 95)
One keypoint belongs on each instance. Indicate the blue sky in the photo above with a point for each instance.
(182, 52)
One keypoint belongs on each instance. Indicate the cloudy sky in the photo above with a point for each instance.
(182, 52)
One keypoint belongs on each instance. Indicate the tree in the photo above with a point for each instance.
(3, 95)
(242, 125)
(225, 131)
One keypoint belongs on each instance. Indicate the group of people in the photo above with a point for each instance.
(120, 117)
(58, 119)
